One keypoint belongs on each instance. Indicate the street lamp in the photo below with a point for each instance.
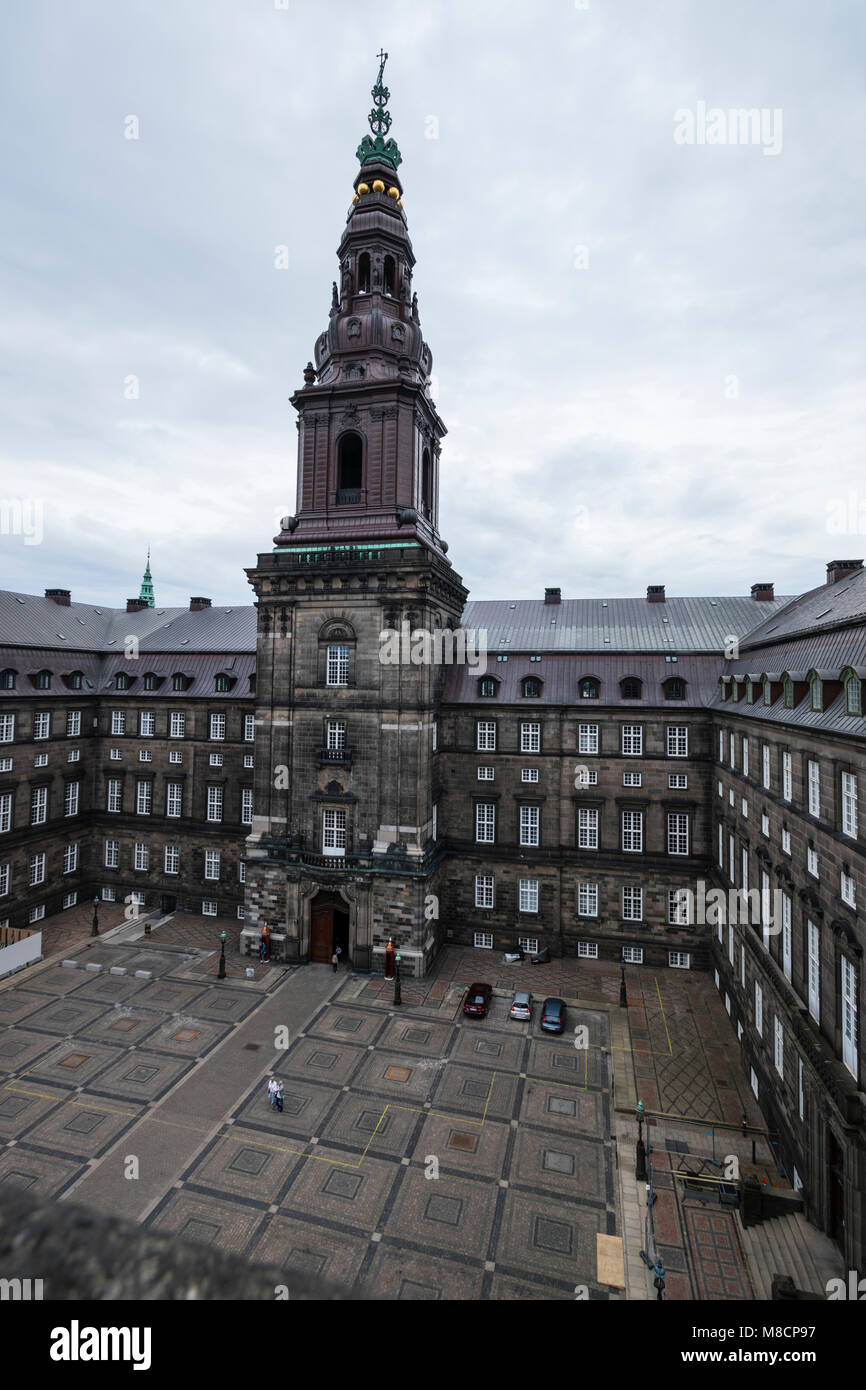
(623, 997)
(221, 973)
(94, 929)
(640, 1154)
(398, 998)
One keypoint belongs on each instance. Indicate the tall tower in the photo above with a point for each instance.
(146, 591)
(343, 848)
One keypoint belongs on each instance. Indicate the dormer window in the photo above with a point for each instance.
(631, 688)
(150, 681)
(43, 680)
(221, 684)
(487, 688)
(816, 693)
(768, 694)
(787, 692)
(589, 688)
(750, 691)
(7, 679)
(675, 688)
(364, 273)
(853, 695)
(121, 681)
(178, 681)
(76, 679)
(531, 688)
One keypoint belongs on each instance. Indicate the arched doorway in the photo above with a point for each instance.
(329, 927)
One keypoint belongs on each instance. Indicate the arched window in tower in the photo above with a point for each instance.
(364, 273)
(426, 483)
(390, 275)
(350, 468)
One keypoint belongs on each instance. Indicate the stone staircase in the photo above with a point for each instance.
(789, 1245)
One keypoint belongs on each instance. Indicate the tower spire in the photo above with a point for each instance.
(147, 584)
(378, 150)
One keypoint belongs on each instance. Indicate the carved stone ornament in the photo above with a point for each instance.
(353, 328)
(398, 332)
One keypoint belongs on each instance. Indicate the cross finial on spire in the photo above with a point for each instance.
(383, 58)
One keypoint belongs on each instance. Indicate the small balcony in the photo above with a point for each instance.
(342, 757)
(350, 496)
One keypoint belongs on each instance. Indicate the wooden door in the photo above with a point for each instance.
(322, 934)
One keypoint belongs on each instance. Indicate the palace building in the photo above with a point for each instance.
(584, 786)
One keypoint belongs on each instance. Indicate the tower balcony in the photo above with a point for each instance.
(350, 497)
(341, 757)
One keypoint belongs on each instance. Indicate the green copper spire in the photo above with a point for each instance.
(379, 150)
(147, 584)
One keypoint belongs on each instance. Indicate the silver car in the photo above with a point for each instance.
(521, 1004)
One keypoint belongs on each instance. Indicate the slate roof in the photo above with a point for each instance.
(819, 609)
(30, 620)
(560, 673)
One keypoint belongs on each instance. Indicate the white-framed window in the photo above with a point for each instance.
(174, 799)
(850, 817)
(732, 749)
(759, 1010)
(335, 735)
(242, 872)
(240, 912)
(587, 777)
(70, 899)
(212, 864)
(530, 738)
(786, 935)
(787, 777)
(6, 763)
(338, 666)
(744, 808)
(145, 755)
(587, 827)
(848, 889)
(71, 798)
(115, 755)
(146, 723)
(216, 760)
(814, 788)
(786, 841)
(485, 774)
(678, 832)
(721, 745)
(765, 825)
(249, 760)
(5, 879)
(109, 895)
(745, 756)
(434, 829)
(632, 955)
(744, 867)
(434, 737)
(209, 907)
(485, 822)
(765, 765)
(812, 862)
(38, 805)
(250, 728)
(112, 852)
(587, 738)
(632, 740)
(731, 942)
(137, 899)
(632, 779)
(743, 966)
(483, 890)
(171, 859)
(529, 774)
(632, 832)
(813, 969)
(37, 869)
(587, 950)
(753, 1081)
(73, 723)
(721, 790)
(679, 907)
(632, 905)
(483, 940)
(177, 724)
(141, 859)
(778, 1046)
(765, 908)
(529, 825)
(678, 741)
(73, 755)
(247, 806)
(36, 914)
(721, 845)
(485, 735)
(118, 721)
(678, 781)
(217, 727)
(850, 1014)
(679, 960)
(528, 897)
(7, 728)
(41, 760)
(175, 755)
(529, 944)
(587, 899)
(334, 832)
(143, 798)
(214, 803)
(42, 725)
(732, 796)
(801, 1100)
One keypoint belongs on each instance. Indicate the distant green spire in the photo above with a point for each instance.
(379, 150)
(147, 584)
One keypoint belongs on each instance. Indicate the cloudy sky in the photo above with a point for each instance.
(648, 352)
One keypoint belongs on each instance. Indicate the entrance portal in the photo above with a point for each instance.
(329, 928)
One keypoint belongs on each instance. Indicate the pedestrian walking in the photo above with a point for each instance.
(339, 954)
(278, 1096)
(335, 961)
(272, 1091)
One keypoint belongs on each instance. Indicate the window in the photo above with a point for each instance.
(675, 689)
(586, 777)
(214, 803)
(247, 806)
(350, 468)
(848, 889)
(765, 825)
(587, 950)
(41, 760)
(743, 966)
(118, 721)
(744, 808)
(744, 864)
(175, 756)
(335, 735)
(632, 955)
(528, 943)
(788, 693)
(759, 1010)
(221, 684)
(7, 679)
(483, 940)
(531, 689)
(4, 880)
(529, 821)
(529, 774)
(216, 760)
(334, 832)
(632, 832)
(146, 723)
(38, 805)
(632, 905)
(528, 898)
(7, 728)
(786, 841)
(41, 725)
(732, 746)
(721, 845)
(121, 682)
(337, 666)
(217, 727)
(176, 724)
(242, 872)
(786, 935)
(587, 828)
(112, 851)
(37, 869)
(778, 1047)
(249, 760)
(73, 723)
(212, 864)
(209, 907)
(587, 899)
(721, 745)
(853, 696)
(588, 688)
(812, 862)
(530, 738)
(631, 688)
(678, 832)
(36, 913)
(485, 736)
(485, 774)
(141, 858)
(753, 1079)
(109, 895)
(679, 907)
(765, 765)
(849, 805)
(814, 779)
(731, 942)
(632, 779)
(485, 823)
(240, 912)
(43, 680)
(143, 798)
(484, 890)
(145, 755)
(787, 778)
(678, 741)
(73, 755)
(679, 960)
(171, 860)
(801, 1107)
(678, 781)
(745, 757)
(587, 738)
(434, 737)
(632, 739)
(434, 828)
(70, 899)
(173, 798)
(487, 688)
(249, 728)
(813, 969)
(850, 1010)
(70, 799)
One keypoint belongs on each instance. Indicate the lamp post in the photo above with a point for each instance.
(94, 928)
(640, 1153)
(398, 998)
(623, 997)
(221, 973)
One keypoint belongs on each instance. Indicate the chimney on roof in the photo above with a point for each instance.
(655, 593)
(61, 596)
(763, 593)
(197, 604)
(553, 596)
(135, 605)
(841, 569)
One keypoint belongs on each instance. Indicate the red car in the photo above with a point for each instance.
(477, 1000)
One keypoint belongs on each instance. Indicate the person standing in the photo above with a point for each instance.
(272, 1091)
(335, 961)
(278, 1096)
(339, 954)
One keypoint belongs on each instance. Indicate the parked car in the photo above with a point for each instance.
(477, 1001)
(553, 1015)
(521, 1004)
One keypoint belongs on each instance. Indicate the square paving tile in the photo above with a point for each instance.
(16, 1004)
(345, 1024)
(447, 1213)
(554, 1238)
(140, 1076)
(73, 1064)
(308, 1249)
(83, 1128)
(409, 1276)
(342, 1187)
(42, 1174)
(208, 1220)
(248, 1163)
